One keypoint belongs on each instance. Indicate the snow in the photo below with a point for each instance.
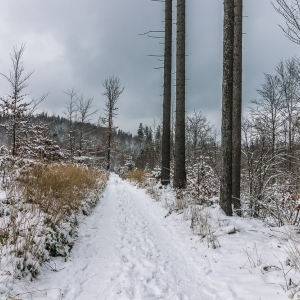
(132, 248)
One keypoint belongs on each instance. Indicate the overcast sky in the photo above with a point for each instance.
(80, 43)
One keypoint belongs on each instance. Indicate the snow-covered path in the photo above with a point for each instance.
(128, 251)
(149, 262)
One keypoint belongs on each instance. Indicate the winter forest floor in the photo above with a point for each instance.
(129, 249)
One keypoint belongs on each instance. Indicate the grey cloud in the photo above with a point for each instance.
(80, 43)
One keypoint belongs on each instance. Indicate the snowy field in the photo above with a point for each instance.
(130, 249)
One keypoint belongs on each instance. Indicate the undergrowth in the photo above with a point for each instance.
(39, 208)
(58, 190)
(138, 176)
(194, 202)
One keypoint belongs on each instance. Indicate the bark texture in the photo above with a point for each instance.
(237, 104)
(179, 170)
(227, 93)
(166, 150)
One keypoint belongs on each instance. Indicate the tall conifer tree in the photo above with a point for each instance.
(179, 171)
(227, 95)
(237, 104)
(166, 151)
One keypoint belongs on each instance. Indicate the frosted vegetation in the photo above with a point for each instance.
(39, 206)
(53, 171)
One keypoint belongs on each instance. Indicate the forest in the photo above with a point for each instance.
(232, 190)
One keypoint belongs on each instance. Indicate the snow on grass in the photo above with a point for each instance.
(133, 248)
(251, 259)
(39, 207)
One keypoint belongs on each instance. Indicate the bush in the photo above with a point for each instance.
(139, 176)
(39, 214)
(202, 183)
(57, 189)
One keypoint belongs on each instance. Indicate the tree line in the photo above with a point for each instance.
(31, 135)
(266, 153)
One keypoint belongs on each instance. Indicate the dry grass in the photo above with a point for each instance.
(39, 214)
(181, 200)
(138, 175)
(57, 189)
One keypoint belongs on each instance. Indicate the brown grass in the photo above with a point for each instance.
(138, 175)
(58, 189)
(39, 215)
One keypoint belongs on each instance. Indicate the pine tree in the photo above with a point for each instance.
(140, 132)
(237, 104)
(227, 94)
(179, 171)
(166, 134)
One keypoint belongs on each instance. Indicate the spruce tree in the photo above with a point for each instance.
(237, 104)
(227, 95)
(179, 171)
(166, 134)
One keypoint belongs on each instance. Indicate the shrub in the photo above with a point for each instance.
(202, 183)
(58, 189)
(139, 176)
(39, 213)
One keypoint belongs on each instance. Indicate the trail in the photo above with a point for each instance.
(127, 250)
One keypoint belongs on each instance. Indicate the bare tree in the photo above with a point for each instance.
(179, 170)
(71, 108)
(199, 134)
(267, 111)
(227, 95)
(113, 90)
(237, 104)
(291, 13)
(84, 109)
(166, 134)
(288, 73)
(271, 147)
(258, 161)
(15, 106)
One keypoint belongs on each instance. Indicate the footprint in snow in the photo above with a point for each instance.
(124, 258)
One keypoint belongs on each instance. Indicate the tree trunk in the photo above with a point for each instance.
(14, 127)
(227, 93)
(113, 91)
(109, 138)
(237, 104)
(80, 139)
(165, 162)
(179, 172)
(108, 153)
(14, 140)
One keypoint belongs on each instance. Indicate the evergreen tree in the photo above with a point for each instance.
(179, 171)
(140, 132)
(166, 134)
(237, 105)
(227, 94)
